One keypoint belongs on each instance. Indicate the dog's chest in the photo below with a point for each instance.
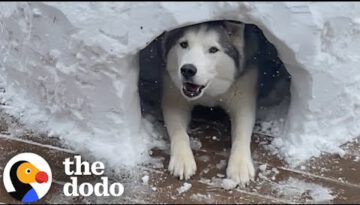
(208, 101)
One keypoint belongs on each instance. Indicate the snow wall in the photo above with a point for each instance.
(71, 69)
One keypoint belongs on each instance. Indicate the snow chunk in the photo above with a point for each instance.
(263, 167)
(145, 179)
(195, 143)
(219, 183)
(275, 170)
(220, 175)
(184, 188)
(204, 158)
(228, 184)
(295, 189)
(341, 153)
(221, 164)
(202, 197)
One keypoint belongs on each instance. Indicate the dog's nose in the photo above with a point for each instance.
(188, 70)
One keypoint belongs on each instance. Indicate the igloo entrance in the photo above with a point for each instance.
(273, 87)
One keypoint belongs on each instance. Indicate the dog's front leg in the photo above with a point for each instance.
(242, 113)
(240, 167)
(177, 113)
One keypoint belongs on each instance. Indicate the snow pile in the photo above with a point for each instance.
(71, 69)
(74, 79)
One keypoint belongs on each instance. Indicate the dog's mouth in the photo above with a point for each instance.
(192, 90)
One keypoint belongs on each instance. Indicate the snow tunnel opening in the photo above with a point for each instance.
(273, 87)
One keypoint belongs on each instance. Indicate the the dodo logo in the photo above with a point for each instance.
(27, 177)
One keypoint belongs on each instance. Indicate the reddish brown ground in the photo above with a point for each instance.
(339, 175)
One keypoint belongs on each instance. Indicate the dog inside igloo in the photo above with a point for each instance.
(273, 88)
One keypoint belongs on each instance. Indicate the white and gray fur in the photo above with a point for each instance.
(228, 79)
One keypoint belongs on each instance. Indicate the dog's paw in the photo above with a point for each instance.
(240, 170)
(182, 163)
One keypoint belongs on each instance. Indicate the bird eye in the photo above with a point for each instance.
(184, 44)
(27, 171)
(213, 50)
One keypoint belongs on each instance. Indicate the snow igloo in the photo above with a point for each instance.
(72, 70)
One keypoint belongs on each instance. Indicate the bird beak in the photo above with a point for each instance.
(41, 177)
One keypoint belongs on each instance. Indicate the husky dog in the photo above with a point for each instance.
(210, 64)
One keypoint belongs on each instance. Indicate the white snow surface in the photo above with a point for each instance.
(71, 69)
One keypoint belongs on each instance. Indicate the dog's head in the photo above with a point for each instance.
(204, 58)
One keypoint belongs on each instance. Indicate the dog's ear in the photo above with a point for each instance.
(235, 31)
(169, 38)
(163, 39)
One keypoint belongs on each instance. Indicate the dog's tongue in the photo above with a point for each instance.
(192, 87)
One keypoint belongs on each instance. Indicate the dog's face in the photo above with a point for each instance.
(203, 59)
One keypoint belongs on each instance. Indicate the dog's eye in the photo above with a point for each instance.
(184, 44)
(213, 50)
